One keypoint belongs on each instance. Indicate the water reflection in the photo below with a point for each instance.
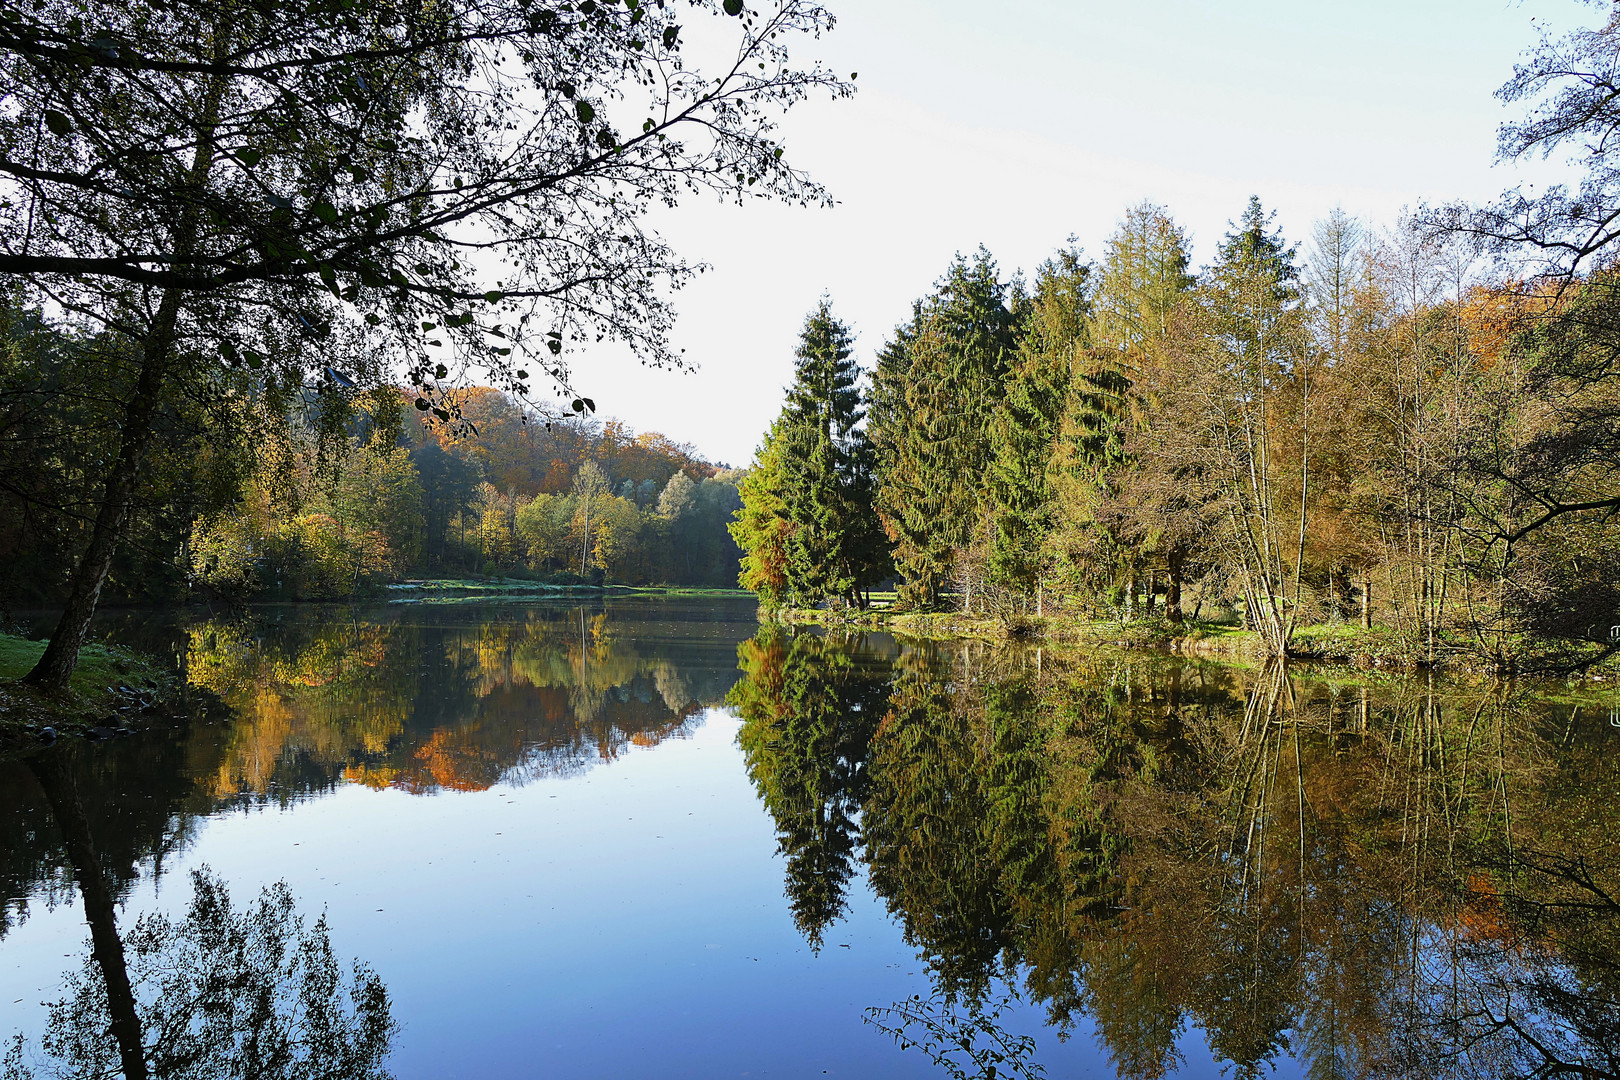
(1408, 879)
(416, 698)
(216, 993)
(443, 703)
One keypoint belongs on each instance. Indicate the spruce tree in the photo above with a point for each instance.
(832, 549)
(1056, 329)
(938, 383)
(1257, 338)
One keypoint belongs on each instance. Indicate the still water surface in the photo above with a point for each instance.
(650, 838)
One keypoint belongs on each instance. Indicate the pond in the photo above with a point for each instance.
(650, 837)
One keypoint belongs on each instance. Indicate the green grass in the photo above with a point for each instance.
(106, 678)
(487, 588)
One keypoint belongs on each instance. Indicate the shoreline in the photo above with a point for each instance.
(114, 691)
(1377, 649)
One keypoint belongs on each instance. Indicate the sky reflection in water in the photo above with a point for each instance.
(563, 853)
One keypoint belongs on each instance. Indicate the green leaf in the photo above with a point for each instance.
(58, 122)
(579, 406)
(422, 405)
(733, 7)
(440, 371)
(672, 34)
(372, 319)
(589, 404)
(493, 297)
(555, 347)
(583, 110)
(254, 360)
(248, 156)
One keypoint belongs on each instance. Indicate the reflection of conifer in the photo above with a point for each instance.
(926, 842)
(809, 707)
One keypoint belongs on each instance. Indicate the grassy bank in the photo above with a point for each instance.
(110, 687)
(1200, 638)
(1346, 644)
(431, 589)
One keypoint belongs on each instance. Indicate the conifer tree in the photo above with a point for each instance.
(807, 524)
(938, 383)
(1055, 333)
(1239, 371)
(823, 462)
(1142, 280)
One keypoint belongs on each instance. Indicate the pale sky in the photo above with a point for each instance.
(1018, 126)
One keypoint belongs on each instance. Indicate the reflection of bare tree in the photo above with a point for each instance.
(965, 1042)
(216, 994)
(107, 949)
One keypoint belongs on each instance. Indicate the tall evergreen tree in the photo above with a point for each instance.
(936, 389)
(809, 528)
(1055, 334)
(1241, 378)
(820, 439)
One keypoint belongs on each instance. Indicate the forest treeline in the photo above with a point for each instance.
(1374, 428)
(312, 498)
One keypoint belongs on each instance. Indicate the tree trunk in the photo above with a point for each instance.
(107, 948)
(135, 436)
(1366, 599)
(1172, 589)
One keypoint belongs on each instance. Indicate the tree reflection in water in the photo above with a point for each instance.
(1403, 879)
(415, 698)
(962, 1043)
(441, 700)
(217, 994)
